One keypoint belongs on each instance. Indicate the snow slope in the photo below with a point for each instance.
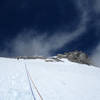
(54, 80)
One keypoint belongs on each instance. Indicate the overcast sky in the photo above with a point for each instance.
(48, 27)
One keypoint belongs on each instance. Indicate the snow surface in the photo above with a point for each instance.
(54, 80)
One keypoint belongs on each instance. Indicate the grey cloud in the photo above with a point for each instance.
(42, 45)
(96, 6)
(31, 44)
(96, 52)
(96, 56)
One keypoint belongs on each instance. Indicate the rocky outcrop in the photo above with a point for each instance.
(30, 57)
(53, 60)
(76, 56)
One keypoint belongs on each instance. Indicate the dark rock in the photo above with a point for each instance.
(61, 56)
(76, 56)
(49, 60)
(30, 57)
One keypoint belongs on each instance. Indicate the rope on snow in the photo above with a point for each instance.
(30, 78)
(30, 83)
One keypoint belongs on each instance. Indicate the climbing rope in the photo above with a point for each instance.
(30, 78)
(30, 83)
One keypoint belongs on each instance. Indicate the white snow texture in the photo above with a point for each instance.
(54, 80)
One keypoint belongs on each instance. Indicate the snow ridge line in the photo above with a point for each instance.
(30, 83)
(30, 78)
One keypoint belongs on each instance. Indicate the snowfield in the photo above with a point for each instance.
(54, 80)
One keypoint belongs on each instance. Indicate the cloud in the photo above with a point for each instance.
(32, 44)
(42, 45)
(96, 6)
(96, 56)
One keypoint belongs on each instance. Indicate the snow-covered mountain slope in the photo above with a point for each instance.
(54, 80)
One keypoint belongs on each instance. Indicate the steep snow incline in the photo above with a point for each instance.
(54, 80)
(13, 81)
